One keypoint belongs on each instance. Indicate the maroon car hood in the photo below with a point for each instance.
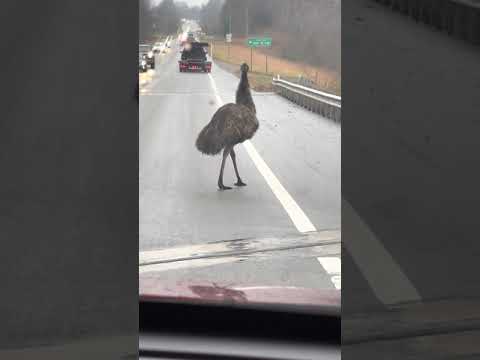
(153, 288)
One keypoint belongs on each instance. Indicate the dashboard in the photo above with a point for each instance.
(189, 331)
(167, 347)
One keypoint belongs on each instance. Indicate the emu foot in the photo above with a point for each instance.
(240, 183)
(222, 187)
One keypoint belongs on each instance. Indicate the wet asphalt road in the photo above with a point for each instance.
(179, 202)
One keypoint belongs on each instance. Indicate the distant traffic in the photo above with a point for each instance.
(194, 53)
(146, 57)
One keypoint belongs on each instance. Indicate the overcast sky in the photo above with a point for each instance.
(189, 2)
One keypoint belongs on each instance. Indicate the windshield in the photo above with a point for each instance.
(144, 48)
(239, 152)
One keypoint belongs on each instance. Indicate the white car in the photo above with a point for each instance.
(159, 47)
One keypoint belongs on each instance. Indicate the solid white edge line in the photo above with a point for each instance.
(296, 214)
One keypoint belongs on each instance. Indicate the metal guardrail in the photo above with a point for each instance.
(320, 102)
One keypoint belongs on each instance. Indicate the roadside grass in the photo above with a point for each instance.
(267, 65)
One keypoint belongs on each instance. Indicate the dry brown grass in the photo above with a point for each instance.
(267, 64)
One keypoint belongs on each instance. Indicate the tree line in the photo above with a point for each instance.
(164, 17)
(309, 30)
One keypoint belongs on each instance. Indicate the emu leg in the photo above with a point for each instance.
(234, 159)
(226, 151)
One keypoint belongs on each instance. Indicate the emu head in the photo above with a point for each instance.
(244, 68)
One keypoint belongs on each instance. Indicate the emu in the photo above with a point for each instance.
(231, 124)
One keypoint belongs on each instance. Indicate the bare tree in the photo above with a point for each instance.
(210, 17)
(187, 12)
(166, 17)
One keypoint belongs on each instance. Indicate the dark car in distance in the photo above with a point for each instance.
(142, 63)
(145, 49)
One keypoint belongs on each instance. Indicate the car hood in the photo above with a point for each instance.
(152, 288)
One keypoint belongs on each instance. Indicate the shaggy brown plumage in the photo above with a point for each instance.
(230, 125)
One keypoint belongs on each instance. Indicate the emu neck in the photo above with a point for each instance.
(243, 95)
(244, 81)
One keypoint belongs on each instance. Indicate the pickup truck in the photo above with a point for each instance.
(194, 58)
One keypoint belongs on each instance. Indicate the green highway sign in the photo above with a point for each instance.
(259, 42)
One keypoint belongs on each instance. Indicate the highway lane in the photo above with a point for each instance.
(179, 201)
